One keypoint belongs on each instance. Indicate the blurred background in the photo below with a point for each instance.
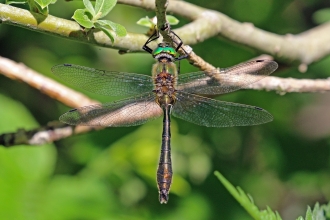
(111, 174)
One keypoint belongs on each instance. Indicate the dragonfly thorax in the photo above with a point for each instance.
(164, 53)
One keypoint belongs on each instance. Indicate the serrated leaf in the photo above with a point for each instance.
(146, 22)
(117, 28)
(309, 214)
(43, 3)
(103, 7)
(172, 20)
(83, 17)
(89, 7)
(246, 201)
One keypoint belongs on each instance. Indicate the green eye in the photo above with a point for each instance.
(166, 49)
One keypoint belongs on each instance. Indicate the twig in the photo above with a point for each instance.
(165, 30)
(162, 24)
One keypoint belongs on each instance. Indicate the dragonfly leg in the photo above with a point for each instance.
(153, 37)
(179, 45)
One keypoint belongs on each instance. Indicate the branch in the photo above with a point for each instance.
(307, 47)
(67, 29)
(304, 48)
(287, 85)
(55, 90)
(55, 130)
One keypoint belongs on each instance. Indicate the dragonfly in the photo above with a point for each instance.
(166, 93)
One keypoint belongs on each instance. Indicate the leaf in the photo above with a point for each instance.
(318, 212)
(103, 7)
(43, 3)
(146, 22)
(36, 8)
(246, 201)
(83, 17)
(89, 7)
(117, 28)
(106, 31)
(322, 16)
(172, 20)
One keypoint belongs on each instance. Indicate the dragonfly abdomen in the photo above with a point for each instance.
(164, 171)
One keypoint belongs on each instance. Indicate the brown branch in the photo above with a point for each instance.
(52, 131)
(55, 90)
(56, 130)
(305, 48)
(286, 85)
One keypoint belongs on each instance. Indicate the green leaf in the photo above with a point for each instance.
(43, 3)
(117, 28)
(146, 22)
(103, 7)
(106, 31)
(172, 20)
(36, 8)
(322, 16)
(89, 7)
(318, 212)
(246, 201)
(83, 17)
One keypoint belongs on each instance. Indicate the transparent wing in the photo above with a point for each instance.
(213, 113)
(127, 112)
(103, 82)
(228, 80)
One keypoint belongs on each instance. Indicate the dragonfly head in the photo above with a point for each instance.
(164, 51)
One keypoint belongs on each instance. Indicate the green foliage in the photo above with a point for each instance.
(151, 23)
(322, 15)
(36, 6)
(318, 213)
(43, 3)
(89, 18)
(247, 202)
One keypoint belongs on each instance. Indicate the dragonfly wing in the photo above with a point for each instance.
(103, 82)
(228, 79)
(213, 113)
(127, 112)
